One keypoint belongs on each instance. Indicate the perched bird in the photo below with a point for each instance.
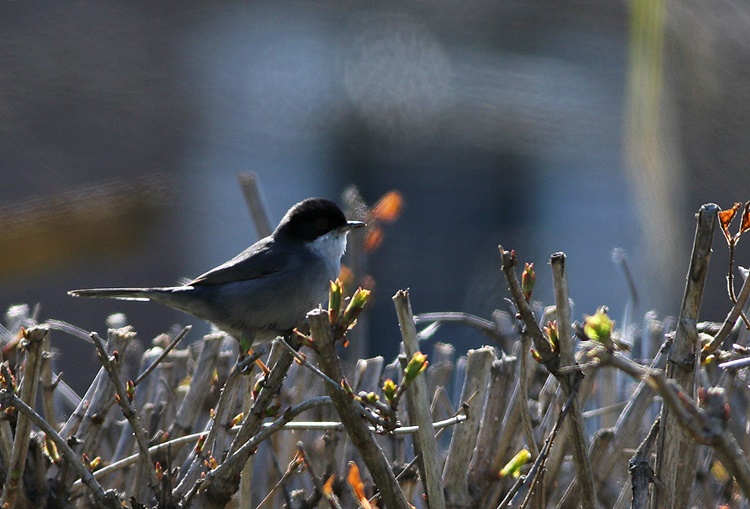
(267, 289)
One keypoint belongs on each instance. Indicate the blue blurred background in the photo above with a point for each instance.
(541, 126)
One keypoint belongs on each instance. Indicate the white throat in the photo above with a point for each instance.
(331, 246)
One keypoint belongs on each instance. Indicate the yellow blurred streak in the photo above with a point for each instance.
(46, 233)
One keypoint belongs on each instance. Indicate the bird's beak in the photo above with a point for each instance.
(350, 225)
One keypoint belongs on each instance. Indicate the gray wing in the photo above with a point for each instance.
(257, 261)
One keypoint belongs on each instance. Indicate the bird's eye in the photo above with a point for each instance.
(321, 224)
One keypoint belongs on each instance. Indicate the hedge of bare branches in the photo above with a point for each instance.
(555, 412)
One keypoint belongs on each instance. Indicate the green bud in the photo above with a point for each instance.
(535, 355)
(368, 397)
(389, 390)
(528, 278)
(416, 365)
(599, 327)
(130, 390)
(335, 296)
(355, 307)
(513, 467)
(552, 335)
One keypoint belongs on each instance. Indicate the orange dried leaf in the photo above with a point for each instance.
(745, 226)
(299, 459)
(388, 208)
(355, 481)
(726, 217)
(328, 486)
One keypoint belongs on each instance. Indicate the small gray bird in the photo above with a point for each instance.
(267, 289)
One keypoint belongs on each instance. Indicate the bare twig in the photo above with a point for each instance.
(356, 427)
(67, 328)
(640, 468)
(525, 485)
(196, 395)
(731, 319)
(33, 341)
(463, 441)
(104, 499)
(163, 355)
(487, 327)
(581, 458)
(735, 364)
(523, 381)
(604, 458)
(303, 360)
(551, 359)
(611, 409)
(705, 425)
(317, 481)
(618, 256)
(236, 461)
(291, 469)
(418, 407)
(548, 358)
(494, 439)
(193, 466)
(730, 278)
(219, 487)
(85, 423)
(48, 381)
(130, 414)
(438, 426)
(254, 200)
(676, 456)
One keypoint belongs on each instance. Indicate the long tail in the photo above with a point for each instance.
(139, 294)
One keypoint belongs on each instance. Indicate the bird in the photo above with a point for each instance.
(267, 289)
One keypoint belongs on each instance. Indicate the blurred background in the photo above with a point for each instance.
(542, 126)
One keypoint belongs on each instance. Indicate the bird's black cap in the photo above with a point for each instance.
(309, 219)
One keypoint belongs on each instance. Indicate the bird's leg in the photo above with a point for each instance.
(246, 342)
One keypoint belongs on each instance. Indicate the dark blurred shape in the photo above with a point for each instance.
(46, 233)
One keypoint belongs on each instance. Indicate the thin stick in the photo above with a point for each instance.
(418, 408)
(254, 200)
(487, 327)
(34, 340)
(730, 279)
(640, 469)
(676, 455)
(70, 329)
(356, 427)
(129, 412)
(309, 365)
(438, 426)
(528, 481)
(731, 319)
(703, 426)
(163, 355)
(219, 487)
(549, 359)
(523, 380)
(317, 481)
(582, 462)
(104, 499)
